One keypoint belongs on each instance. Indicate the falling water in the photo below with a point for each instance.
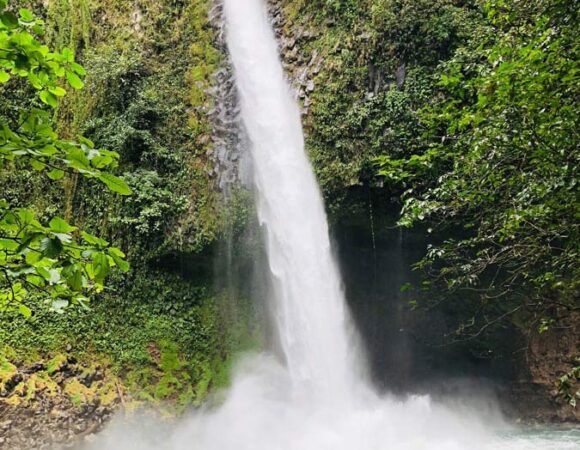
(312, 398)
(309, 305)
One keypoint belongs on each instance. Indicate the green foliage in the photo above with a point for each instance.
(421, 32)
(378, 72)
(567, 385)
(151, 206)
(57, 261)
(500, 163)
(164, 338)
(47, 259)
(146, 96)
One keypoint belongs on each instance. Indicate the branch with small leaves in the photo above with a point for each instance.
(56, 261)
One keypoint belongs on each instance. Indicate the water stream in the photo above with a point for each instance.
(313, 394)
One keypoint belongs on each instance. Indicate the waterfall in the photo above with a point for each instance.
(309, 305)
(315, 397)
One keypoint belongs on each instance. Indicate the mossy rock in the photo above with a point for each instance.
(7, 371)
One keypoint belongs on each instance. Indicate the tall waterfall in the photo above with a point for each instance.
(314, 399)
(309, 305)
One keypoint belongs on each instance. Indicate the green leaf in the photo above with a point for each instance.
(25, 311)
(94, 240)
(32, 257)
(67, 54)
(58, 91)
(77, 159)
(43, 272)
(26, 15)
(405, 287)
(49, 150)
(87, 142)
(51, 248)
(37, 165)
(114, 251)
(55, 174)
(8, 245)
(49, 99)
(38, 28)
(9, 20)
(4, 76)
(80, 70)
(118, 257)
(101, 266)
(74, 80)
(25, 216)
(115, 184)
(35, 280)
(59, 225)
(74, 279)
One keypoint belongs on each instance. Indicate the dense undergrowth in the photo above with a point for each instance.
(149, 65)
(380, 67)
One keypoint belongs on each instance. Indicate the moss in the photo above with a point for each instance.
(70, 23)
(37, 383)
(53, 383)
(203, 384)
(56, 363)
(47, 384)
(78, 393)
(7, 371)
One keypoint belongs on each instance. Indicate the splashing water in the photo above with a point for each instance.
(315, 399)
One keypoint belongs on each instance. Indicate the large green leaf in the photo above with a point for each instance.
(74, 80)
(25, 310)
(49, 99)
(26, 15)
(116, 184)
(55, 174)
(51, 247)
(59, 225)
(101, 266)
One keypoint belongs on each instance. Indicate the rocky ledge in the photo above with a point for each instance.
(54, 403)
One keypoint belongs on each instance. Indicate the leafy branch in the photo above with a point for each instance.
(56, 261)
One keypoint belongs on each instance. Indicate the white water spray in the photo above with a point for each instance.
(314, 400)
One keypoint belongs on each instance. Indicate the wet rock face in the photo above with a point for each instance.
(227, 133)
(230, 162)
(54, 403)
(548, 357)
(300, 66)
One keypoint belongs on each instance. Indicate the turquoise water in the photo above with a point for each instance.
(540, 439)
